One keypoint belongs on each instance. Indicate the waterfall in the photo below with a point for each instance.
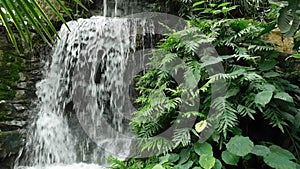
(83, 81)
(104, 8)
(107, 11)
(116, 7)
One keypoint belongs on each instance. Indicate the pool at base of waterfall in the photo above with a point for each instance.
(62, 166)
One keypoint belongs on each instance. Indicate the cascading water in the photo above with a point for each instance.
(85, 73)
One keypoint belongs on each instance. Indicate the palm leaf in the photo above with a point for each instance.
(43, 15)
(20, 24)
(27, 15)
(8, 28)
(35, 21)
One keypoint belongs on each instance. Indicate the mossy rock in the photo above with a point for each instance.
(8, 116)
(10, 67)
(10, 142)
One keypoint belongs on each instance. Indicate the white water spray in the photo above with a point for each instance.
(86, 69)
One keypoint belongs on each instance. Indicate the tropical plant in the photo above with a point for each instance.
(28, 17)
(289, 14)
(259, 92)
(201, 156)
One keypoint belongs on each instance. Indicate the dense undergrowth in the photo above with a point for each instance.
(259, 115)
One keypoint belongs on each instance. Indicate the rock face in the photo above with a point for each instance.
(17, 81)
(121, 7)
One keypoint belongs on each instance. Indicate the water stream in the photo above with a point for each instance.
(80, 112)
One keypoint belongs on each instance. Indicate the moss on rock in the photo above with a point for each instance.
(10, 67)
(11, 119)
(10, 143)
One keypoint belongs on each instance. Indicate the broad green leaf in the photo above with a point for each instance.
(240, 145)
(263, 98)
(289, 20)
(224, 4)
(164, 159)
(260, 150)
(218, 164)
(247, 157)
(203, 148)
(268, 29)
(271, 74)
(232, 92)
(158, 166)
(226, 10)
(184, 155)
(198, 3)
(297, 56)
(268, 87)
(207, 161)
(284, 96)
(284, 20)
(173, 157)
(216, 12)
(297, 120)
(198, 9)
(279, 162)
(200, 126)
(282, 152)
(229, 158)
(212, 5)
(187, 165)
(267, 65)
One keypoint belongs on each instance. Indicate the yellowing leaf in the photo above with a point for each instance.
(200, 126)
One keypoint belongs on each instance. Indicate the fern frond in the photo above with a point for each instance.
(219, 104)
(256, 48)
(229, 76)
(245, 111)
(275, 118)
(156, 145)
(182, 136)
(149, 129)
(252, 76)
(228, 120)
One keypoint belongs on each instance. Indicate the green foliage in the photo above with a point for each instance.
(258, 88)
(207, 161)
(279, 158)
(211, 8)
(229, 158)
(288, 20)
(260, 150)
(10, 67)
(239, 145)
(161, 98)
(237, 8)
(263, 98)
(25, 15)
(203, 149)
